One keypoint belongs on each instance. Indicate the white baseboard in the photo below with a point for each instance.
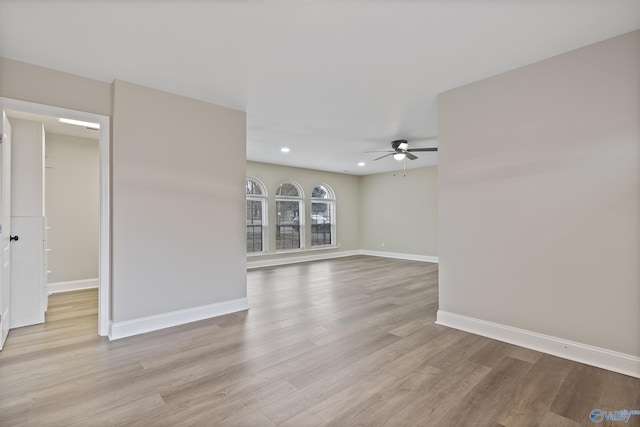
(583, 353)
(410, 257)
(330, 255)
(72, 285)
(296, 259)
(174, 318)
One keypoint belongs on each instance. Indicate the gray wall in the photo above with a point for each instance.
(400, 211)
(178, 203)
(539, 186)
(346, 187)
(72, 200)
(28, 82)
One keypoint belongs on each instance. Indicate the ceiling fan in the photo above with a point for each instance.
(400, 150)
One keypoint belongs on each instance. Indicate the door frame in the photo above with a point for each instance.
(5, 214)
(104, 266)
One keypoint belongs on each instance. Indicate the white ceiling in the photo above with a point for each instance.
(329, 79)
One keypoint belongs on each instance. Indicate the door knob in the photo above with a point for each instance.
(16, 238)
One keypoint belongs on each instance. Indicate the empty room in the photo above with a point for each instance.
(309, 213)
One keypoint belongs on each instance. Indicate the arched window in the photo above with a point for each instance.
(323, 213)
(256, 216)
(289, 217)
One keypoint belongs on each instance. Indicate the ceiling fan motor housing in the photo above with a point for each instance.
(395, 144)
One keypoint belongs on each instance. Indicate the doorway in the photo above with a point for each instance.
(104, 262)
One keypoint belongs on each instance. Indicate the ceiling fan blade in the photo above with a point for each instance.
(386, 155)
(380, 151)
(410, 156)
(423, 149)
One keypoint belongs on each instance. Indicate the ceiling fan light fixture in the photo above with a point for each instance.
(399, 156)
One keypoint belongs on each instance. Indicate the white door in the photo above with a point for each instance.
(5, 227)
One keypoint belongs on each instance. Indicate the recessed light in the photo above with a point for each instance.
(79, 123)
(285, 149)
(361, 163)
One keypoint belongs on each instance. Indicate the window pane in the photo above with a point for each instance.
(288, 224)
(253, 187)
(320, 192)
(287, 189)
(320, 223)
(254, 226)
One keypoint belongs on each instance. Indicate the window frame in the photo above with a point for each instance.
(301, 215)
(331, 201)
(265, 223)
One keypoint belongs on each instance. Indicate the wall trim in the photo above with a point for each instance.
(410, 257)
(174, 318)
(72, 285)
(251, 263)
(596, 356)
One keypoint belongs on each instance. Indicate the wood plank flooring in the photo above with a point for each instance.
(343, 342)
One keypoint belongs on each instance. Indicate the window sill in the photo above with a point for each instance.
(287, 251)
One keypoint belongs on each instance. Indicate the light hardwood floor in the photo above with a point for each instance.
(343, 342)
